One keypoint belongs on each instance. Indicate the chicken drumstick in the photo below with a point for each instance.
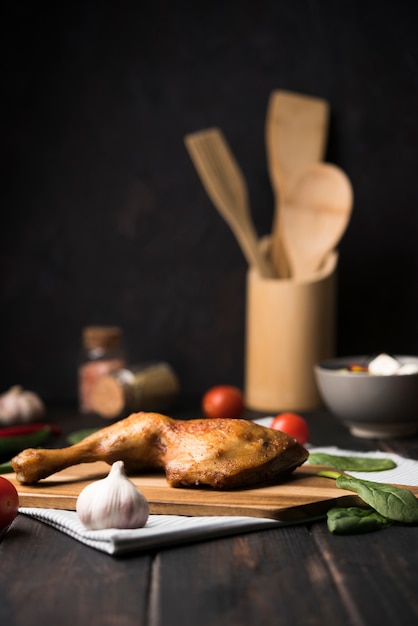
(220, 453)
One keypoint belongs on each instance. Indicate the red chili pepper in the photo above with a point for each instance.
(15, 444)
(27, 429)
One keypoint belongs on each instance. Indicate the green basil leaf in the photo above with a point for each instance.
(395, 503)
(355, 520)
(78, 435)
(351, 463)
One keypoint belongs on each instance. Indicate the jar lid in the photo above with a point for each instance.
(101, 337)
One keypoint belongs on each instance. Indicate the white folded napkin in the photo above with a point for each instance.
(165, 530)
(159, 531)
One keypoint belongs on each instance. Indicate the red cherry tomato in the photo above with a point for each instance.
(292, 424)
(9, 502)
(223, 401)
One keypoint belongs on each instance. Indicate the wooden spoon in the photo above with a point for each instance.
(295, 134)
(317, 211)
(224, 182)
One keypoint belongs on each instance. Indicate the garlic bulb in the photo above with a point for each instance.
(113, 502)
(19, 406)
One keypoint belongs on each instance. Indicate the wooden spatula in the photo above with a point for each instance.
(296, 135)
(225, 184)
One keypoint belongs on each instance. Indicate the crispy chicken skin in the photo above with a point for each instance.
(219, 453)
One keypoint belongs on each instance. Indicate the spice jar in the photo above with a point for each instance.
(102, 353)
(146, 387)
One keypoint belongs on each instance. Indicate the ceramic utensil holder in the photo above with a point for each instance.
(290, 326)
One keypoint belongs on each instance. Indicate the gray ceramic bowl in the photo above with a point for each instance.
(370, 406)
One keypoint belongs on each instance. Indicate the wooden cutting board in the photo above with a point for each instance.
(301, 496)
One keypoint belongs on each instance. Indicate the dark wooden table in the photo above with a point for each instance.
(298, 575)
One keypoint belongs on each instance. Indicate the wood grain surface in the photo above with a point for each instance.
(303, 495)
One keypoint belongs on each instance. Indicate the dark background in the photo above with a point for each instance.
(104, 219)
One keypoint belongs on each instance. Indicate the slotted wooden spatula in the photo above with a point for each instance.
(224, 182)
(296, 134)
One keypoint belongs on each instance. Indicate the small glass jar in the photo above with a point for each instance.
(146, 387)
(102, 353)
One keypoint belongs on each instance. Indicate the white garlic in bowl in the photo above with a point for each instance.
(20, 406)
(113, 502)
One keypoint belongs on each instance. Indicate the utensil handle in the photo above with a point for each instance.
(249, 245)
(278, 251)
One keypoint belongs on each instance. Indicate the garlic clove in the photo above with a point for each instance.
(113, 502)
(18, 405)
(9, 404)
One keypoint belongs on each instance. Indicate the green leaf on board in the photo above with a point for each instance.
(351, 463)
(78, 435)
(395, 503)
(355, 520)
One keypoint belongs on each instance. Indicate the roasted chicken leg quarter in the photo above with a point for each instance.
(220, 453)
